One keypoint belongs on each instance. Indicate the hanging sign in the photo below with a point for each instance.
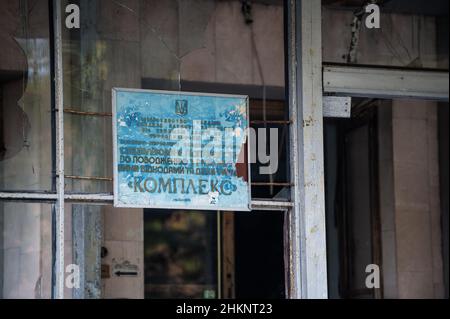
(180, 150)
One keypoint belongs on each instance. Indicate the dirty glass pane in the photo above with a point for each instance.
(131, 254)
(180, 254)
(25, 251)
(25, 97)
(412, 34)
(107, 245)
(189, 45)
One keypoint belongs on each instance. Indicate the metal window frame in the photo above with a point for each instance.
(108, 199)
(306, 238)
(386, 82)
(60, 189)
(57, 196)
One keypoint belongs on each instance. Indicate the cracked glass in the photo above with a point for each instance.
(207, 46)
(25, 97)
(178, 45)
(410, 34)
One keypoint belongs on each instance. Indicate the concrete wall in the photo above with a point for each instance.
(417, 200)
(387, 200)
(443, 119)
(410, 200)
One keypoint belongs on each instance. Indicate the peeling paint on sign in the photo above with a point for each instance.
(180, 150)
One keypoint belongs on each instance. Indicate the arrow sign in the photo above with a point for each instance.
(125, 273)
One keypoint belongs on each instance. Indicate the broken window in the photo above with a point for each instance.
(190, 45)
(25, 149)
(412, 34)
(186, 45)
(25, 97)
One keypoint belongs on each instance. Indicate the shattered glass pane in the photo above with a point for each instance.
(25, 97)
(180, 45)
(412, 34)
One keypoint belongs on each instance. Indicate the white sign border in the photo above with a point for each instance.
(118, 204)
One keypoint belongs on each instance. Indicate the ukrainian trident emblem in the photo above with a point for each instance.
(181, 107)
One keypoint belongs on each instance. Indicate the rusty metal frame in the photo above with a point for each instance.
(107, 199)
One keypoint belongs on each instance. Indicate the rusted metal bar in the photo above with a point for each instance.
(89, 178)
(109, 179)
(108, 198)
(271, 205)
(280, 122)
(272, 184)
(292, 221)
(32, 196)
(86, 113)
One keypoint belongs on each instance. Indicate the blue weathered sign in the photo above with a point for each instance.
(180, 150)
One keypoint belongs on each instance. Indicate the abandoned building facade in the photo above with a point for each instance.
(361, 115)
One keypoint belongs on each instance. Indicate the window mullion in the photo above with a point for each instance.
(59, 106)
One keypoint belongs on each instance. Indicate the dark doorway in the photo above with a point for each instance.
(259, 255)
(353, 226)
